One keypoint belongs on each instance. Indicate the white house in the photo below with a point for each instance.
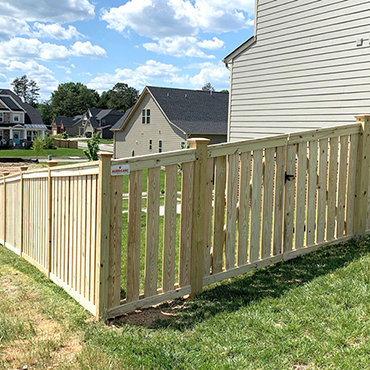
(306, 66)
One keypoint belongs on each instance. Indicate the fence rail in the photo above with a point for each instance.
(204, 214)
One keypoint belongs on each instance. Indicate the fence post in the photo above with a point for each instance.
(198, 242)
(49, 216)
(5, 173)
(103, 235)
(23, 169)
(362, 175)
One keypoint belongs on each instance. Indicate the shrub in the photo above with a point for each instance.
(38, 145)
(64, 135)
(48, 142)
(92, 148)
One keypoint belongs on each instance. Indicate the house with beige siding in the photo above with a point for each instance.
(163, 119)
(306, 66)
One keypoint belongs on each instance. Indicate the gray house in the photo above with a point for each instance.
(19, 122)
(71, 125)
(100, 120)
(306, 66)
(164, 118)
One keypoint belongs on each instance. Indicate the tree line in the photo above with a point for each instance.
(74, 98)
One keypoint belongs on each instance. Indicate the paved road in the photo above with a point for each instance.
(103, 147)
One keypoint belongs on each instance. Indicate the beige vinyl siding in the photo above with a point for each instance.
(136, 135)
(305, 70)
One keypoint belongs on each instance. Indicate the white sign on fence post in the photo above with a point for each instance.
(120, 169)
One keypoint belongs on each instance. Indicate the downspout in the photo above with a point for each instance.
(229, 68)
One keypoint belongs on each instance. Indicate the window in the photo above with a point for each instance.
(182, 144)
(132, 153)
(16, 118)
(145, 116)
(148, 116)
(150, 144)
(160, 146)
(1, 116)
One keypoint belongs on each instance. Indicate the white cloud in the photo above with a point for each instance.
(35, 71)
(84, 49)
(55, 31)
(153, 72)
(66, 69)
(184, 46)
(22, 48)
(10, 27)
(168, 18)
(217, 74)
(48, 10)
(138, 78)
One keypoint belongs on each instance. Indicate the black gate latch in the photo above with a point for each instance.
(288, 177)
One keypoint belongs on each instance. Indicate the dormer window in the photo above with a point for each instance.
(16, 118)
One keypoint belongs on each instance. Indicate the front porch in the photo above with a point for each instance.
(19, 137)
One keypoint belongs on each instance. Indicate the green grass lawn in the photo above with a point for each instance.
(308, 313)
(105, 141)
(56, 153)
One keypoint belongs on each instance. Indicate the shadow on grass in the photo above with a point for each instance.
(231, 295)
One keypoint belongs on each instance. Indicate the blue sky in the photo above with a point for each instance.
(173, 43)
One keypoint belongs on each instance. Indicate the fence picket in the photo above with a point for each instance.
(152, 232)
(134, 236)
(244, 208)
(231, 203)
(300, 208)
(208, 218)
(332, 188)
(255, 240)
(186, 222)
(219, 214)
(311, 193)
(342, 183)
(290, 198)
(321, 193)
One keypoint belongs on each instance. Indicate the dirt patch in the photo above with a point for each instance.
(148, 316)
(14, 167)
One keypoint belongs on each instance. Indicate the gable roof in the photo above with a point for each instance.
(119, 124)
(67, 121)
(97, 114)
(192, 111)
(32, 116)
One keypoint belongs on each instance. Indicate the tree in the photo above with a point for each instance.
(26, 89)
(92, 147)
(224, 91)
(71, 99)
(46, 112)
(208, 87)
(38, 145)
(121, 97)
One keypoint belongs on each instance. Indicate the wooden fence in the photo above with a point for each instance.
(244, 205)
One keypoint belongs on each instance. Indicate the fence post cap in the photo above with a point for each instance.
(24, 168)
(52, 163)
(199, 140)
(105, 154)
(362, 116)
(6, 173)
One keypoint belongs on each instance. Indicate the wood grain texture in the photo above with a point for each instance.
(231, 210)
(300, 209)
(134, 236)
(187, 183)
(351, 184)
(332, 188)
(256, 206)
(219, 214)
(281, 153)
(268, 193)
(322, 188)
(342, 185)
(244, 208)
(208, 218)
(290, 198)
(152, 232)
(311, 193)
